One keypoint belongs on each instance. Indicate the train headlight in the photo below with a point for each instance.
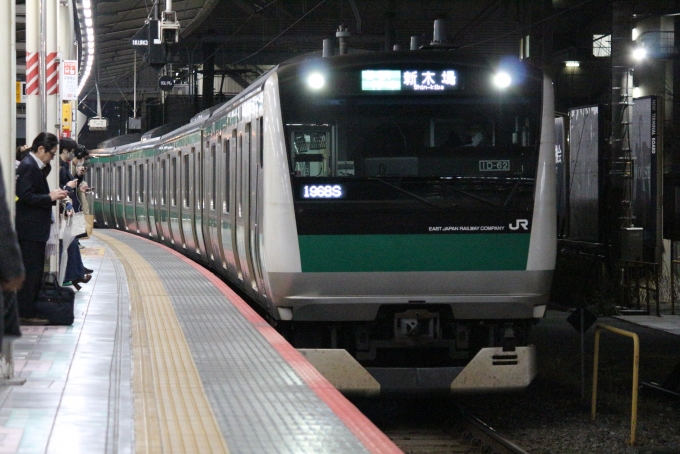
(502, 79)
(316, 81)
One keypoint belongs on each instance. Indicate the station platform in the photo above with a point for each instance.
(664, 322)
(164, 357)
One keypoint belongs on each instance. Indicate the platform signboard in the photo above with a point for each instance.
(68, 80)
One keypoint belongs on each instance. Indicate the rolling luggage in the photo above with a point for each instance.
(55, 303)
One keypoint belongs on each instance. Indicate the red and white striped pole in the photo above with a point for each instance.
(52, 75)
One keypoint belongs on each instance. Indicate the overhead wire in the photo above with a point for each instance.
(533, 24)
(282, 33)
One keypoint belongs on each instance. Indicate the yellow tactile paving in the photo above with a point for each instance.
(172, 412)
(93, 251)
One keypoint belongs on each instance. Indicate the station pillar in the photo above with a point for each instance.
(8, 114)
(33, 106)
(8, 109)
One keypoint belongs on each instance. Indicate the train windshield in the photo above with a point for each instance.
(457, 147)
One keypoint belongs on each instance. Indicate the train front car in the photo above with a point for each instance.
(423, 194)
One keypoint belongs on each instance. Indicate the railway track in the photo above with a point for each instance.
(461, 433)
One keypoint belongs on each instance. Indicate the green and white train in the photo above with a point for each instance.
(397, 205)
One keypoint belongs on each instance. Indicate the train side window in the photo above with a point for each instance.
(185, 173)
(141, 181)
(98, 182)
(213, 160)
(164, 179)
(174, 182)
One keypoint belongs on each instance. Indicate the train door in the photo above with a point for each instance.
(187, 201)
(98, 207)
(119, 200)
(212, 205)
(130, 213)
(241, 203)
(105, 192)
(159, 177)
(228, 235)
(175, 192)
(199, 203)
(244, 217)
(108, 194)
(162, 217)
(141, 211)
(151, 196)
(255, 198)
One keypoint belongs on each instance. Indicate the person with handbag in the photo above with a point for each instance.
(34, 219)
(76, 273)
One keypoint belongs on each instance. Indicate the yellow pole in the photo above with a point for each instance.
(636, 369)
(596, 360)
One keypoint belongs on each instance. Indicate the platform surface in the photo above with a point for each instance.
(164, 357)
(668, 323)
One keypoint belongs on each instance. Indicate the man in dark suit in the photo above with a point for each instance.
(34, 219)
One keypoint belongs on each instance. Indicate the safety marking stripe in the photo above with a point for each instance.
(372, 438)
(32, 73)
(52, 76)
(172, 412)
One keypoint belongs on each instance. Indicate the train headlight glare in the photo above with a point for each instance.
(502, 80)
(639, 53)
(316, 81)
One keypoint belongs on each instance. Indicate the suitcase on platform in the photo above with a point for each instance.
(54, 302)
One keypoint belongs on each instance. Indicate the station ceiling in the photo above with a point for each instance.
(242, 34)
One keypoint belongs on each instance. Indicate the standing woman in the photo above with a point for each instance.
(34, 219)
(75, 270)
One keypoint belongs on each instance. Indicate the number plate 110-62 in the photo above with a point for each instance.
(489, 166)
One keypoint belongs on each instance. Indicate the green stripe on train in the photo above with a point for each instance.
(465, 252)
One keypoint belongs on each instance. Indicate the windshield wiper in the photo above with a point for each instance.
(404, 191)
(512, 193)
(488, 202)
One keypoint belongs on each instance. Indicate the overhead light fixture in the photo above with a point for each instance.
(88, 21)
(572, 64)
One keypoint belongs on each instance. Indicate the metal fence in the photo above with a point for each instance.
(674, 269)
(640, 285)
(657, 43)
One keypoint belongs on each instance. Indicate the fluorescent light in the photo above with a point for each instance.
(87, 12)
(88, 21)
(572, 64)
(87, 4)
